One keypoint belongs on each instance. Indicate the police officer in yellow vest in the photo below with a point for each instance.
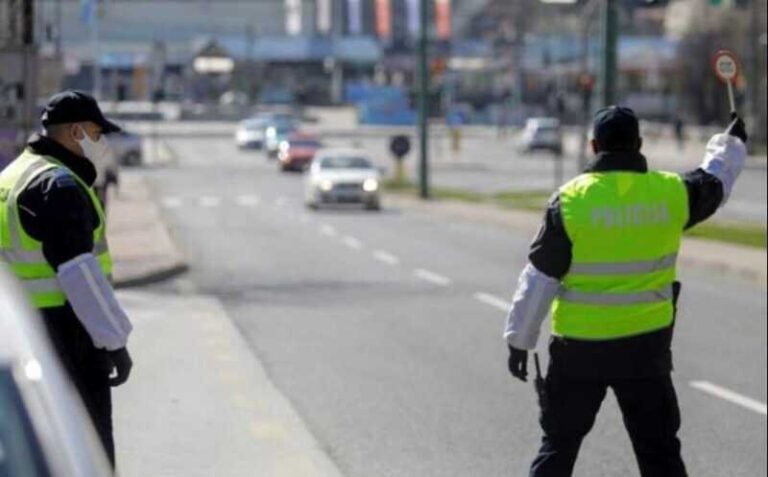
(52, 237)
(604, 263)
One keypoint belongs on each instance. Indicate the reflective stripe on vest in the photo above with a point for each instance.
(655, 296)
(23, 253)
(624, 268)
(626, 230)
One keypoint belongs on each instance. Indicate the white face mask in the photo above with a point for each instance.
(94, 150)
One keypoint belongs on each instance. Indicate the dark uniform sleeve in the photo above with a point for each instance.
(56, 211)
(551, 250)
(705, 194)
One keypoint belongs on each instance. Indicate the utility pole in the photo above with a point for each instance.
(29, 78)
(608, 69)
(424, 100)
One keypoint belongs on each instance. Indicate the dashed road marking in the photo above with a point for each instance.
(248, 200)
(171, 202)
(386, 257)
(432, 277)
(328, 231)
(353, 243)
(730, 396)
(210, 201)
(493, 300)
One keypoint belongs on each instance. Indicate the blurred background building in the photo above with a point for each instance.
(491, 60)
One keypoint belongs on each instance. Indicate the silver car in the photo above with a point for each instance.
(44, 431)
(343, 176)
(542, 134)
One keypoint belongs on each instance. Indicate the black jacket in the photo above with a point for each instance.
(551, 253)
(57, 211)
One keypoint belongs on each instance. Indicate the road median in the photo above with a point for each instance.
(142, 247)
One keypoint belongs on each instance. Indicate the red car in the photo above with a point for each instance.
(296, 153)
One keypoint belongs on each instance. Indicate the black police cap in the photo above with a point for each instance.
(616, 128)
(75, 107)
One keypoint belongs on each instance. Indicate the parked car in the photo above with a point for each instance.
(250, 133)
(296, 153)
(44, 430)
(339, 176)
(542, 134)
(127, 148)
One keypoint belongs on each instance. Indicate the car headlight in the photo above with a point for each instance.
(326, 186)
(371, 185)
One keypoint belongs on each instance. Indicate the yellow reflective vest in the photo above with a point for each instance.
(626, 229)
(22, 253)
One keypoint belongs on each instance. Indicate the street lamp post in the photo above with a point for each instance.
(609, 61)
(424, 100)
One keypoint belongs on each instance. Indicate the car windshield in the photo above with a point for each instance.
(305, 143)
(20, 452)
(253, 124)
(345, 162)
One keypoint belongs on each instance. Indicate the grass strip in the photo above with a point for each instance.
(751, 235)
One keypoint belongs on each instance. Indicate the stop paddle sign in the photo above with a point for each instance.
(727, 68)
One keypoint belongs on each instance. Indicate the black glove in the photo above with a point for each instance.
(518, 363)
(737, 128)
(121, 366)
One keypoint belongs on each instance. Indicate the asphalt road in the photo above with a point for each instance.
(384, 330)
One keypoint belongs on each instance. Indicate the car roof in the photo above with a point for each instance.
(24, 348)
(543, 121)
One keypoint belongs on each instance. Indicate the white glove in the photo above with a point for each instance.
(725, 159)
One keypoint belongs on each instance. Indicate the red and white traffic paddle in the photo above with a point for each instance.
(727, 68)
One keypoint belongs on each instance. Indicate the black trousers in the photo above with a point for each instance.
(651, 416)
(88, 368)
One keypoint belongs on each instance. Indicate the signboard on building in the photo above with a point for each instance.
(293, 17)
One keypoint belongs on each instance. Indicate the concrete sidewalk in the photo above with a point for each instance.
(200, 404)
(141, 245)
(714, 257)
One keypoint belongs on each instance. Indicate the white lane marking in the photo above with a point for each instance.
(171, 202)
(248, 200)
(386, 257)
(210, 201)
(730, 396)
(353, 243)
(328, 231)
(432, 277)
(494, 301)
(280, 201)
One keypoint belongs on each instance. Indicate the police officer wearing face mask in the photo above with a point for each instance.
(53, 238)
(604, 262)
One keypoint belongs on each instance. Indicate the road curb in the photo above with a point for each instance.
(724, 259)
(150, 278)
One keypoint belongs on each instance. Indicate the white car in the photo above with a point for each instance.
(250, 133)
(343, 176)
(44, 430)
(542, 133)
